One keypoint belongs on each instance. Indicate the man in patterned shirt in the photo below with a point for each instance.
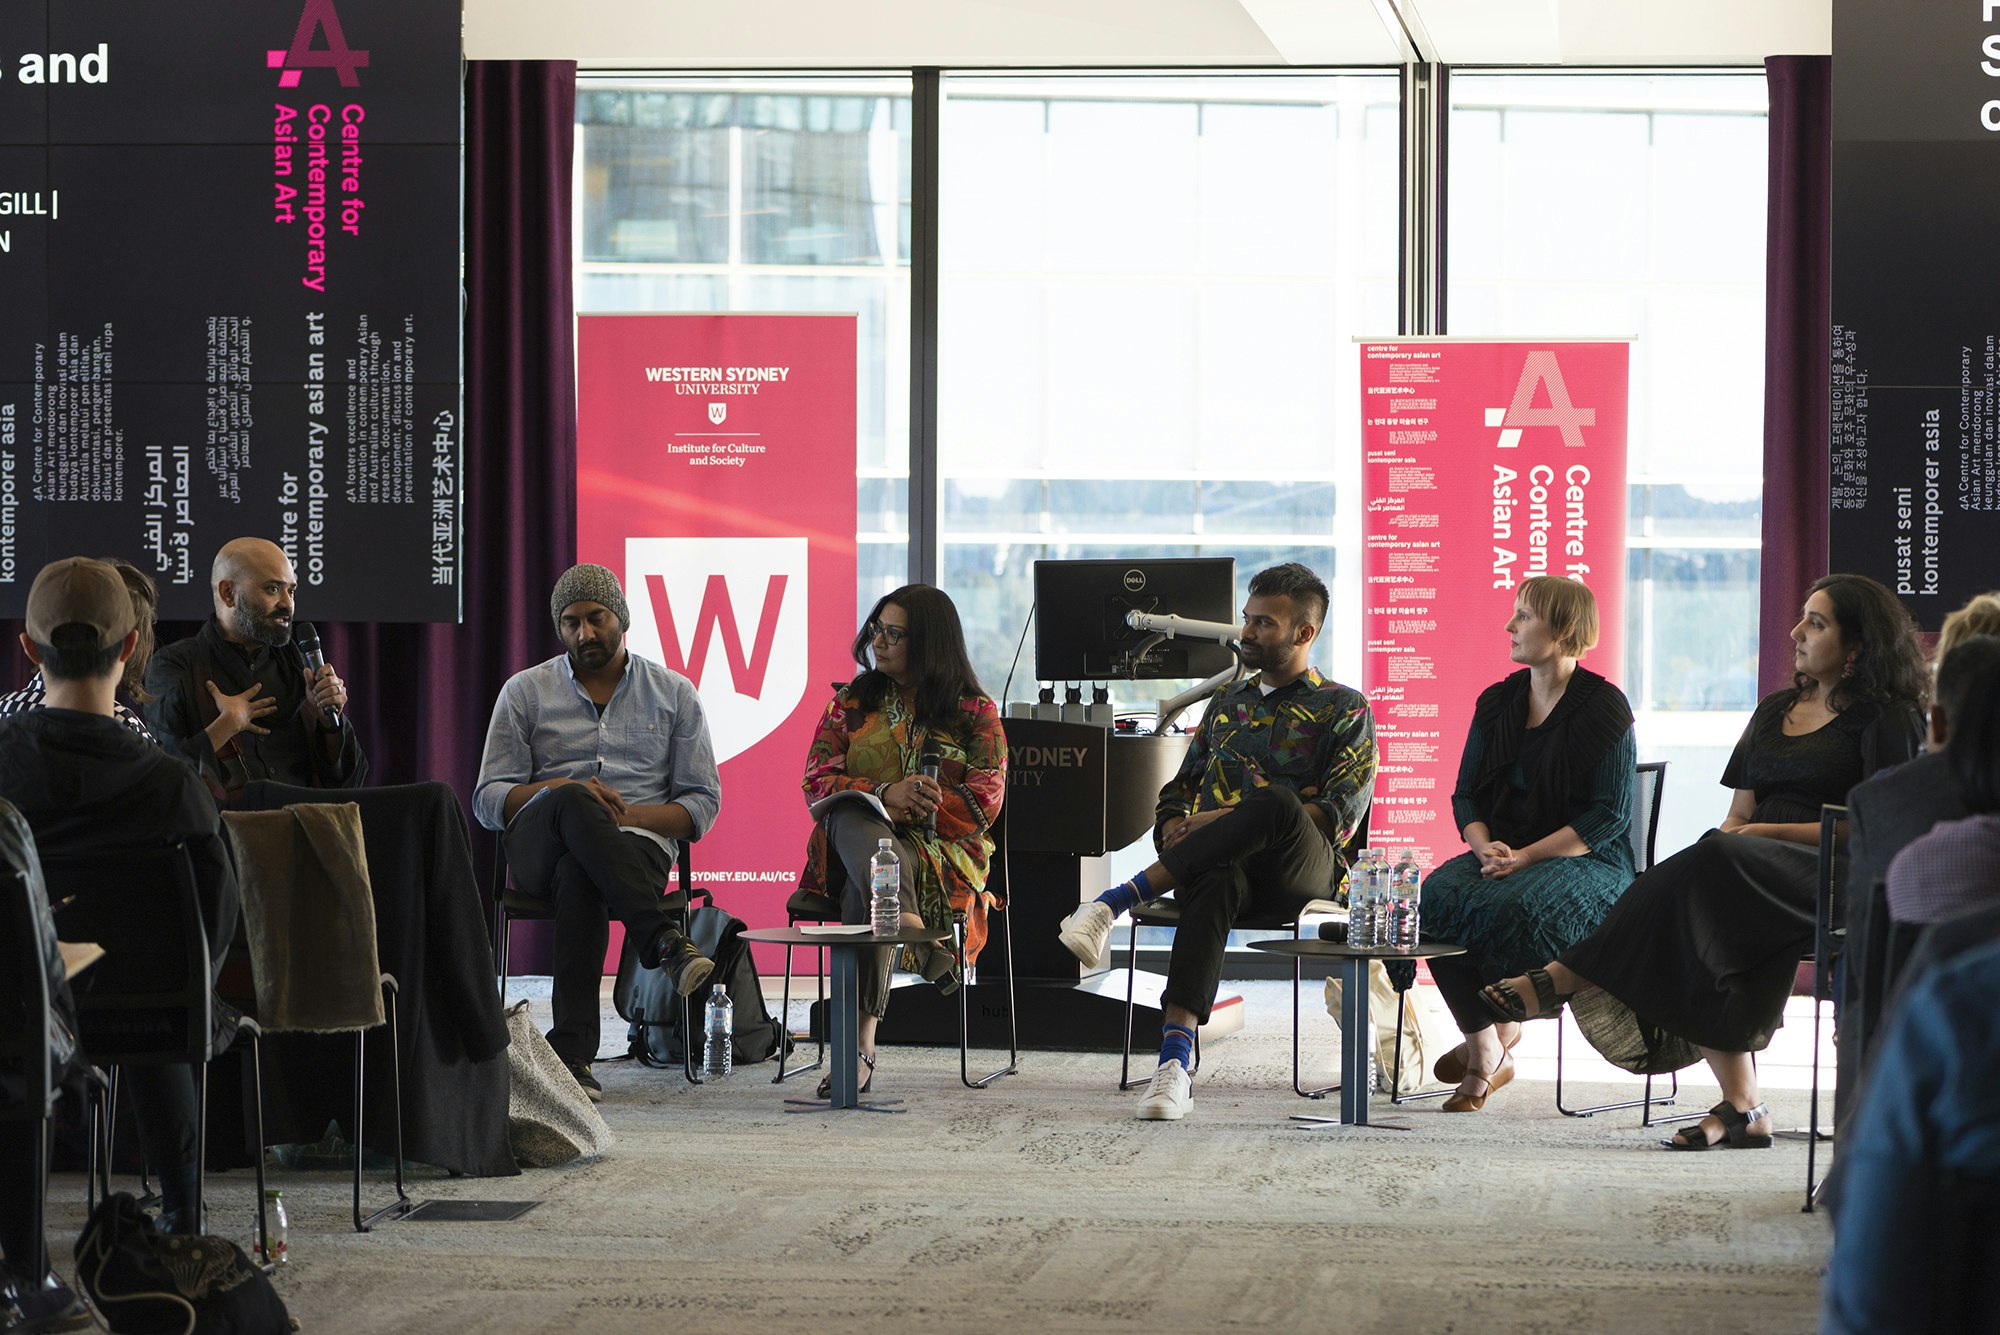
(1260, 819)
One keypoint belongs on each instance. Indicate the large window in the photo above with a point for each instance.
(1149, 288)
(766, 195)
(1628, 204)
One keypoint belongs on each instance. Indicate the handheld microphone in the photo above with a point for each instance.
(931, 763)
(1178, 627)
(308, 640)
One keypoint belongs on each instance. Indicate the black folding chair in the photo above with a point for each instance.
(151, 1000)
(1649, 782)
(510, 903)
(1827, 932)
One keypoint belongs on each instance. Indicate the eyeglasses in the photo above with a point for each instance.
(893, 634)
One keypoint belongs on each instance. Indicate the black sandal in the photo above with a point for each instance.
(825, 1089)
(941, 967)
(1505, 1002)
(1735, 1130)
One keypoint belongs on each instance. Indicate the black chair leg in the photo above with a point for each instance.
(1397, 1099)
(506, 943)
(255, 1059)
(1298, 1084)
(402, 1205)
(1013, 1065)
(785, 1024)
(1125, 1080)
(201, 1148)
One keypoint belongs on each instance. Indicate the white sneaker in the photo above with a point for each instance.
(1086, 933)
(1168, 1098)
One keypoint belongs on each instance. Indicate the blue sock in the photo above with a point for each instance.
(1129, 895)
(1177, 1045)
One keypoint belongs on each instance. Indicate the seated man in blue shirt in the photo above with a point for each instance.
(1260, 817)
(597, 764)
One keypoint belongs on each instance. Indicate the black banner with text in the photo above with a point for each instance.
(229, 294)
(1915, 454)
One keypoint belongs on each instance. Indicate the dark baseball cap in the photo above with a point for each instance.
(80, 591)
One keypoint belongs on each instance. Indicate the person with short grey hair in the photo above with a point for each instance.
(598, 766)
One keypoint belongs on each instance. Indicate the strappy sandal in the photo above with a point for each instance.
(1450, 1068)
(1505, 1002)
(1499, 1080)
(1735, 1130)
(825, 1089)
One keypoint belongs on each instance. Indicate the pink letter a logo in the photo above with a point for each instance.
(1541, 369)
(718, 616)
(318, 16)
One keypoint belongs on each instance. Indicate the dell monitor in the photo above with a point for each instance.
(1080, 608)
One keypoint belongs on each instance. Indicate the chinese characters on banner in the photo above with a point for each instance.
(715, 475)
(1482, 464)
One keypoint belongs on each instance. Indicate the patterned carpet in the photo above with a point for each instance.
(1040, 1200)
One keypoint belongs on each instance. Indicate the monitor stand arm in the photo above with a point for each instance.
(1171, 709)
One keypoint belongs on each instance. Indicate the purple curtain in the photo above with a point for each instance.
(1798, 336)
(423, 693)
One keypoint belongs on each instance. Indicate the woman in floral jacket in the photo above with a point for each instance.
(916, 694)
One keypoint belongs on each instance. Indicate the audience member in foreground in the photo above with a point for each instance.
(1914, 1243)
(1956, 867)
(1697, 957)
(917, 700)
(32, 1296)
(1888, 811)
(1262, 816)
(597, 766)
(1544, 802)
(145, 601)
(236, 698)
(87, 783)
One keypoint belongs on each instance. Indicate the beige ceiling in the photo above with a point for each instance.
(1025, 33)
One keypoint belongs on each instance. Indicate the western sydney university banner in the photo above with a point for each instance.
(715, 475)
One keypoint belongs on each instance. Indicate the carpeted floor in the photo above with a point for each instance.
(1040, 1200)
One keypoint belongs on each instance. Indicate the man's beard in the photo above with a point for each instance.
(267, 630)
(593, 655)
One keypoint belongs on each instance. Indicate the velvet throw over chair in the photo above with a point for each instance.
(150, 1006)
(309, 918)
(511, 903)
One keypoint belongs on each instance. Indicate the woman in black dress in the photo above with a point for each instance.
(1696, 959)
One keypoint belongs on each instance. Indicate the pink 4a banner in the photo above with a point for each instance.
(1482, 463)
(715, 475)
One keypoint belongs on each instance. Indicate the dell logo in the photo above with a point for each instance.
(1135, 580)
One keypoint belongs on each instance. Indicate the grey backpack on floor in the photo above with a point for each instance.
(646, 998)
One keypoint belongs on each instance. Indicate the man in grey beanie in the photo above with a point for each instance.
(598, 764)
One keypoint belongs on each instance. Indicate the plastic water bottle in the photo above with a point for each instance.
(1360, 909)
(885, 880)
(719, 1024)
(1405, 907)
(279, 1227)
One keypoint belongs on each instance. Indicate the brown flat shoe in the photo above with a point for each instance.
(1468, 1103)
(1450, 1068)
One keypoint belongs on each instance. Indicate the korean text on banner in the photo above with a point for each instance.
(715, 474)
(1482, 464)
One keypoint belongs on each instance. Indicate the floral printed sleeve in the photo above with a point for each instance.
(826, 759)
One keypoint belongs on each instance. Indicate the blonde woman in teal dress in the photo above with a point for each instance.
(1544, 802)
